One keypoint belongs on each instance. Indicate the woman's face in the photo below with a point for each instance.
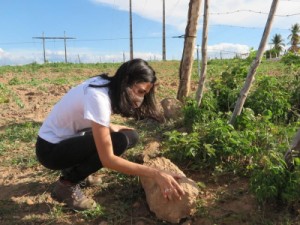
(137, 92)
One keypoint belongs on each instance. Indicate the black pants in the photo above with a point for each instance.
(77, 157)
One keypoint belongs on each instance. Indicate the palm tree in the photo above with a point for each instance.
(278, 44)
(294, 38)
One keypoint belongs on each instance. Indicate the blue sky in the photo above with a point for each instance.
(101, 28)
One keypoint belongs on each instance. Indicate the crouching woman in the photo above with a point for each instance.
(63, 145)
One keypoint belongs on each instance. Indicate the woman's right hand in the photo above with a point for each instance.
(168, 184)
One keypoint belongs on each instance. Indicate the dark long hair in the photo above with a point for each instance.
(129, 73)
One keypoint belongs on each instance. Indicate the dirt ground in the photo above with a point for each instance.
(25, 188)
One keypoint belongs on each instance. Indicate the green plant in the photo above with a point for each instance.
(25, 132)
(6, 94)
(206, 112)
(272, 182)
(294, 89)
(183, 146)
(15, 81)
(56, 212)
(24, 161)
(93, 213)
(268, 97)
(60, 81)
(291, 59)
(226, 88)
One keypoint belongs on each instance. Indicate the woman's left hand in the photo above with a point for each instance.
(168, 184)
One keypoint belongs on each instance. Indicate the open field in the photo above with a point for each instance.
(27, 94)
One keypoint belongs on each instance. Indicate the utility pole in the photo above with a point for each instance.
(130, 30)
(65, 42)
(54, 38)
(164, 33)
(44, 49)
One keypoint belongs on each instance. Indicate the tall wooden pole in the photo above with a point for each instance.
(202, 78)
(188, 51)
(250, 76)
(130, 30)
(65, 42)
(44, 48)
(164, 33)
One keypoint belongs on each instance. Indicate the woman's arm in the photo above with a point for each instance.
(117, 127)
(109, 160)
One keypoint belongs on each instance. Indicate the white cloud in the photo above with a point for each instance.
(86, 56)
(227, 50)
(224, 50)
(177, 10)
(20, 57)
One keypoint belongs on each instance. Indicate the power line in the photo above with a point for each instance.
(290, 1)
(126, 38)
(244, 27)
(251, 11)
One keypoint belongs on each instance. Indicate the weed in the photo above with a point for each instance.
(15, 81)
(93, 213)
(24, 161)
(56, 212)
(25, 132)
(6, 94)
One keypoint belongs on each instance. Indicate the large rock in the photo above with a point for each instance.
(172, 108)
(170, 210)
(151, 151)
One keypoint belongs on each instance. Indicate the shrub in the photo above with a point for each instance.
(226, 88)
(268, 97)
(206, 112)
(272, 182)
(290, 59)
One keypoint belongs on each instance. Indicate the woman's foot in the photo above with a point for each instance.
(72, 195)
(91, 181)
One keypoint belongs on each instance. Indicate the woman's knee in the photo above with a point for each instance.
(132, 137)
(123, 140)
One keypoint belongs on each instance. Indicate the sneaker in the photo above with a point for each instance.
(91, 181)
(71, 194)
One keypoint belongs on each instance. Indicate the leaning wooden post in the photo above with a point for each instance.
(187, 59)
(250, 77)
(200, 89)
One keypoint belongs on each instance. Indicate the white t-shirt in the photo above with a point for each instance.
(76, 110)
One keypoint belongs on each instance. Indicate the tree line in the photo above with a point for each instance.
(278, 45)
